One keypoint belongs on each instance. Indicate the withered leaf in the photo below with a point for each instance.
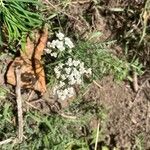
(32, 72)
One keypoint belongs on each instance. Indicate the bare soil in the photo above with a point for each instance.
(128, 113)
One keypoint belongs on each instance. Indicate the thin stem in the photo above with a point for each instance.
(1, 3)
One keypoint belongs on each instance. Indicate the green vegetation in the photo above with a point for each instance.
(17, 18)
(102, 62)
(52, 131)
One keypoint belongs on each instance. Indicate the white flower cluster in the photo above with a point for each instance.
(59, 45)
(63, 93)
(69, 74)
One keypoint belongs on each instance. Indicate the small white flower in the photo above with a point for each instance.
(47, 50)
(82, 65)
(68, 70)
(56, 69)
(77, 76)
(60, 35)
(76, 63)
(72, 80)
(89, 71)
(82, 69)
(65, 92)
(57, 72)
(69, 62)
(54, 43)
(60, 45)
(60, 65)
(61, 95)
(58, 75)
(68, 42)
(79, 81)
(75, 72)
(61, 84)
(63, 77)
(48, 44)
(54, 54)
(55, 90)
(71, 92)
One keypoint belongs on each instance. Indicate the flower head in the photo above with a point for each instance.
(54, 54)
(60, 45)
(69, 62)
(76, 63)
(68, 42)
(53, 43)
(60, 35)
(68, 70)
(47, 50)
(48, 44)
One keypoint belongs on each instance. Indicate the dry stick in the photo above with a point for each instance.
(67, 116)
(37, 108)
(61, 114)
(36, 101)
(19, 103)
(30, 95)
(135, 82)
(148, 117)
(97, 136)
(6, 141)
(63, 12)
(81, 2)
(97, 84)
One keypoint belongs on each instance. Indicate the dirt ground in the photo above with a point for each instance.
(128, 113)
(129, 116)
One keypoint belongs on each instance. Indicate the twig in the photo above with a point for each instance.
(29, 98)
(97, 84)
(36, 101)
(61, 114)
(97, 136)
(135, 82)
(148, 117)
(30, 95)
(87, 90)
(60, 11)
(19, 103)
(6, 141)
(81, 2)
(67, 116)
(36, 108)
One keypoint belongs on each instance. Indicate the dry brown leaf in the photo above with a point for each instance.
(42, 42)
(32, 72)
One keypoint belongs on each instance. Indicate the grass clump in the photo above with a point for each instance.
(48, 132)
(17, 18)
